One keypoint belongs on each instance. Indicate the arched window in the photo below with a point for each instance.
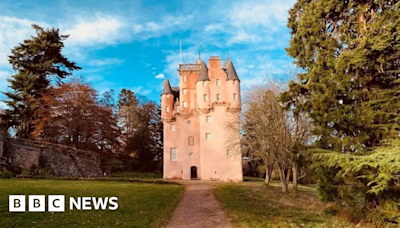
(191, 141)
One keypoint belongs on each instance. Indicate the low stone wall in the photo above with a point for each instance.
(56, 159)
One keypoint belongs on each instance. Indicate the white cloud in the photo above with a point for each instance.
(165, 25)
(160, 76)
(140, 90)
(98, 30)
(105, 62)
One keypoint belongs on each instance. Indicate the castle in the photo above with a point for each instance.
(198, 142)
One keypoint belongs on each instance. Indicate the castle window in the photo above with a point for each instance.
(184, 104)
(234, 82)
(191, 141)
(174, 154)
(205, 97)
(208, 136)
(184, 78)
(189, 123)
(167, 108)
(167, 95)
(172, 127)
(191, 155)
(218, 82)
(235, 97)
(177, 108)
(218, 97)
(184, 91)
(229, 152)
(208, 119)
(204, 83)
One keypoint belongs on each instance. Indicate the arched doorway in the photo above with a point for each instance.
(193, 172)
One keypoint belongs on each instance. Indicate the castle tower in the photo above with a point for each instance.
(197, 142)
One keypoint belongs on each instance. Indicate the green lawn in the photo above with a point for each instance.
(257, 205)
(138, 175)
(140, 204)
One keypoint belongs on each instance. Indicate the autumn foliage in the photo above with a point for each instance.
(71, 114)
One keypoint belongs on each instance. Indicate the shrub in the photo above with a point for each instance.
(6, 174)
(367, 187)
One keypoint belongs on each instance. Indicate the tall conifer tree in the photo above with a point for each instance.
(349, 51)
(37, 61)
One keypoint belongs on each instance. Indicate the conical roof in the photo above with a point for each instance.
(167, 88)
(226, 63)
(203, 75)
(230, 70)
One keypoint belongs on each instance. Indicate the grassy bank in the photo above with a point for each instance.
(140, 204)
(257, 205)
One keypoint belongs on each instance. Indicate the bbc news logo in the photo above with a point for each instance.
(56, 203)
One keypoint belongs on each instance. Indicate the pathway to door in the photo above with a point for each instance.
(199, 208)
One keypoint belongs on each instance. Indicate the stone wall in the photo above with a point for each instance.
(55, 159)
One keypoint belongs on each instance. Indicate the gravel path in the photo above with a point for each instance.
(199, 208)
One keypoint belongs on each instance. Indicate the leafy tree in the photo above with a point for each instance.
(36, 61)
(76, 118)
(349, 52)
(141, 125)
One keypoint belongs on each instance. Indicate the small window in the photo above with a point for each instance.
(184, 104)
(191, 155)
(208, 119)
(177, 108)
(167, 108)
(235, 97)
(218, 82)
(184, 78)
(167, 95)
(205, 97)
(204, 83)
(189, 123)
(234, 82)
(172, 127)
(191, 141)
(218, 97)
(174, 155)
(229, 152)
(184, 91)
(208, 136)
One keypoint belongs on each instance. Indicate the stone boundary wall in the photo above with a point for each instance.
(55, 159)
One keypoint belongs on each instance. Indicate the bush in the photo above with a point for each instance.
(6, 174)
(365, 186)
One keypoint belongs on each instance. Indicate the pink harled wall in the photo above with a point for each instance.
(210, 156)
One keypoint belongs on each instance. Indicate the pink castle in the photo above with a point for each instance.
(198, 144)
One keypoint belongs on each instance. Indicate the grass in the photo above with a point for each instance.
(140, 204)
(254, 204)
(138, 175)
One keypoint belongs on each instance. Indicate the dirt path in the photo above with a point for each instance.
(199, 208)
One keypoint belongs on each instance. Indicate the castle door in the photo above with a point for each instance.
(193, 172)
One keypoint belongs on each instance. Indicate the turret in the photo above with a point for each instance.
(203, 88)
(167, 101)
(233, 85)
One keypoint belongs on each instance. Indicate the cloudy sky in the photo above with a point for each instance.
(134, 44)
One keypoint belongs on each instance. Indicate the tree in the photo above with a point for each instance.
(36, 61)
(141, 125)
(349, 52)
(74, 117)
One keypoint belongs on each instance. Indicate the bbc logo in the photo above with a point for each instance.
(36, 203)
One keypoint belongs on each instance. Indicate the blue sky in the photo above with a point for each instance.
(134, 44)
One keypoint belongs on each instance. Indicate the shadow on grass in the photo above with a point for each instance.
(258, 205)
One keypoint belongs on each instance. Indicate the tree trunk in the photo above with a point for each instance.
(282, 175)
(268, 172)
(267, 176)
(295, 177)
